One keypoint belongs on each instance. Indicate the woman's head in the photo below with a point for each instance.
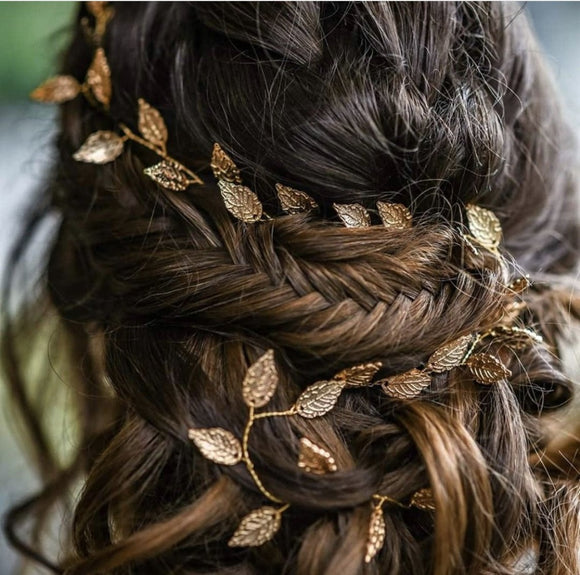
(170, 299)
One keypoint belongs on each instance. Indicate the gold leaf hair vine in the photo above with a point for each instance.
(105, 146)
(224, 448)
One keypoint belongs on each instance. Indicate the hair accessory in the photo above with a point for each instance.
(484, 226)
(395, 216)
(353, 215)
(259, 385)
(294, 201)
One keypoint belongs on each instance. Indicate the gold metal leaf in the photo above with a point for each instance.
(294, 201)
(256, 528)
(487, 369)
(484, 226)
(353, 215)
(217, 445)
(100, 147)
(168, 175)
(423, 499)
(520, 285)
(359, 375)
(450, 355)
(261, 380)
(315, 459)
(224, 167)
(57, 90)
(99, 78)
(516, 337)
(376, 535)
(407, 385)
(319, 398)
(395, 216)
(152, 125)
(241, 202)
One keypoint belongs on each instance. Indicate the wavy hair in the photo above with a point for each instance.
(166, 300)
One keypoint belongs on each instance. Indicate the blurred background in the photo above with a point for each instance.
(32, 34)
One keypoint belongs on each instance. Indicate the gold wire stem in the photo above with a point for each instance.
(287, 413)
(381, 499)
(195, 179)
(249, 464)
(471, 349)
(283, 508)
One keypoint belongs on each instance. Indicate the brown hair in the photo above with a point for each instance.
(167, 300)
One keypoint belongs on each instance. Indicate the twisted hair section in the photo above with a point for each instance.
(167, 300)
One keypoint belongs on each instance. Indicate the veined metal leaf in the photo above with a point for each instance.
(353, 215)
(516, 337)
(99, 78)
(168, 175)
(294, 201)
(450, 355)
(57, 90)
(315, 459)
(224, 167)
(395, 216)
(217, 445)
(241, 202)
(423, 499)
(257, 528)
(484, 226)
(487, 369)
(407, 385)
(100, 147)
(359, 375)
(261, 380)
(319, 398)
(376, 535)
(152, 125)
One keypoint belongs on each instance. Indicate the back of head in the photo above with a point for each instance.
(436, 107)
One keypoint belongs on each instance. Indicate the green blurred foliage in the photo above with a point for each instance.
(32, 35)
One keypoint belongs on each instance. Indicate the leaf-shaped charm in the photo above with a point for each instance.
(315, 459)
(152, 125)
(168, 175)
(395, 216)
(100, 147)
(294, 201)
(57, 90)
(484, 226)
(256, 528)
(520, 285)
(319, 398)
(241, 202)
(487, 369)
(359, 375)
(407, 385)
(376, 536)
(520, 336)
(99, 78)
(353, 215)
(224, 167)
(423, 499)
(261, 380)
(217, 444)
(450, 355)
